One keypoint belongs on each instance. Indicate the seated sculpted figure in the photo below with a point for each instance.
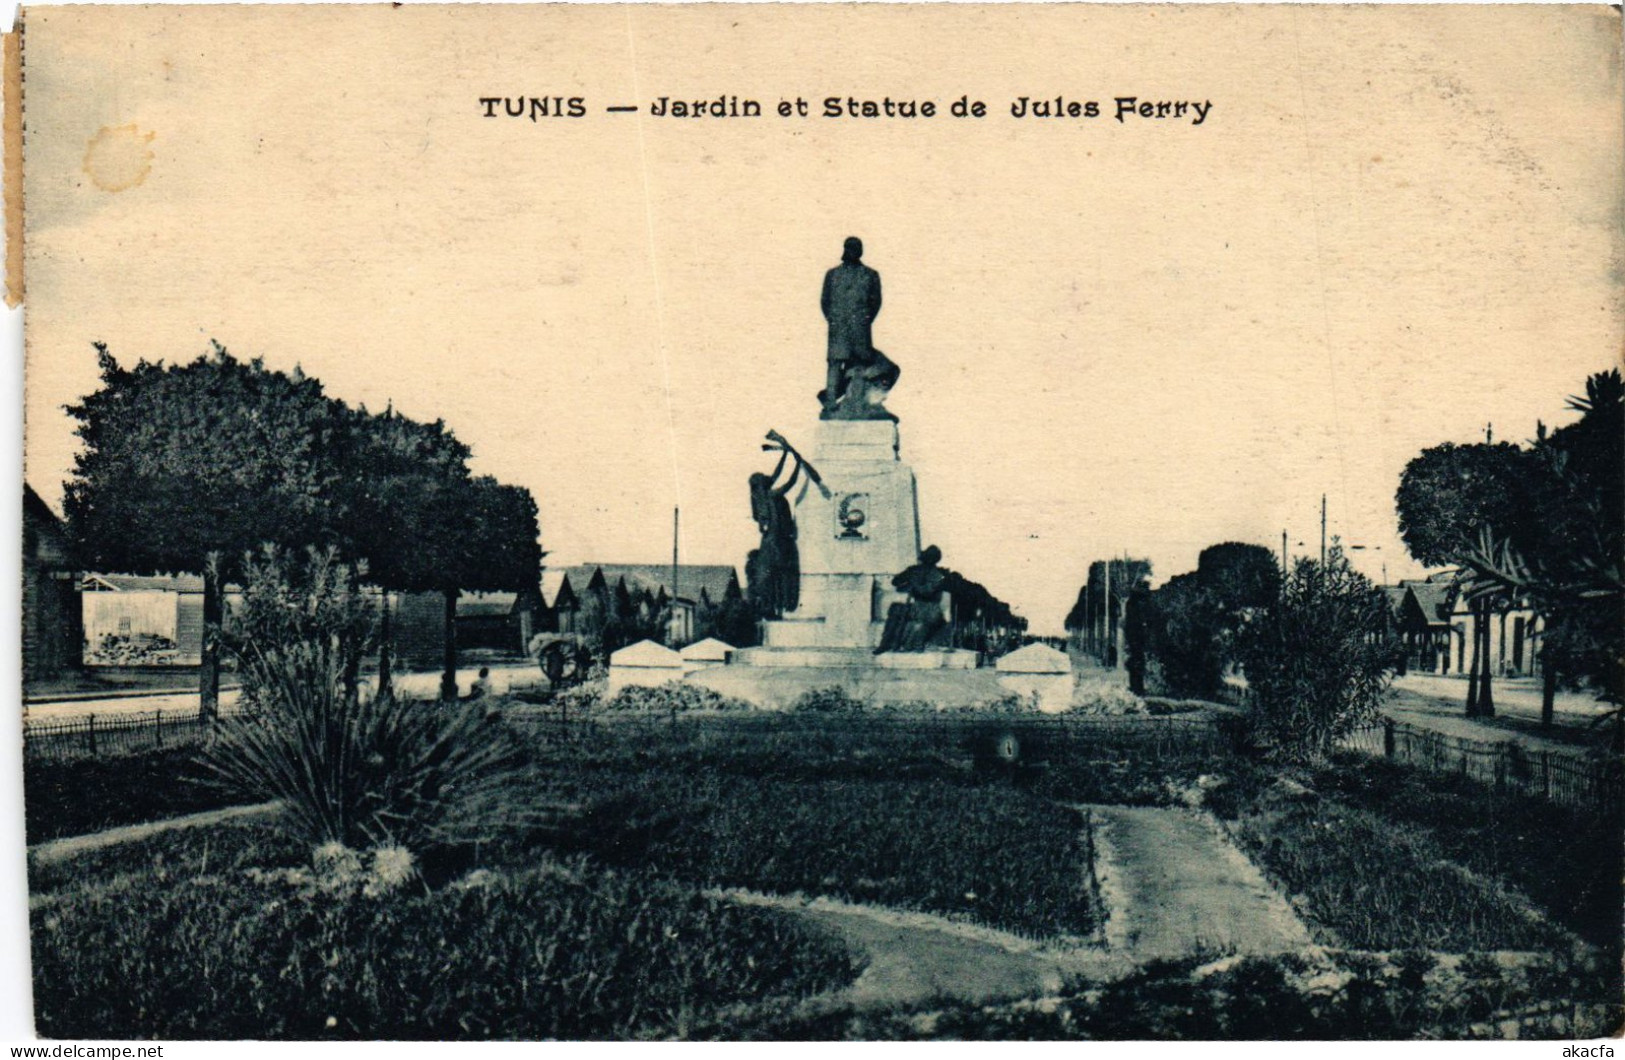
(915, 625)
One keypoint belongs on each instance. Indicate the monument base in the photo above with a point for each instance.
(854, 534)
(815, 656)
(779, 687)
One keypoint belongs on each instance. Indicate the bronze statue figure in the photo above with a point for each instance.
(916, 625)
(773, 571)
(859, 376)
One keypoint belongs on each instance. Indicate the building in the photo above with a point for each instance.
(1421, 611)
(53, 637)
(581, 597)
(142, 620)
(1435, 620)
(501, 622)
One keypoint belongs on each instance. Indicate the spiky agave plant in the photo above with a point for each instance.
(365, 773)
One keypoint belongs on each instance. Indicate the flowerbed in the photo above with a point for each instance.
(188, 939)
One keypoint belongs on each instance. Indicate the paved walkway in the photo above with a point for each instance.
(912, 958)
(1176, 886)
(55, 850)
(1439, 704)
(417, 685)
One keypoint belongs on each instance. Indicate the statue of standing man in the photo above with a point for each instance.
(859, 375)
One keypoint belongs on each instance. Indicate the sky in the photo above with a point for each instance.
(1393, 227)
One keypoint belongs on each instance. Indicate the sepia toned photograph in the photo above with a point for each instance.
(827, 522)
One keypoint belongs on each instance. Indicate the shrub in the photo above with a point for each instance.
(364, 773)
(1319, 661)
(360, 773)
(674, 697)
(557, 950)
(285, 604)
(832, 700)
(587, 696)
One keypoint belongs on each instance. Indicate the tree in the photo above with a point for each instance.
(1188, 627)
(287, 603)
(1572, 568)
(1449, 496)
(1139, 616)
(1318, 661)
(189, 467)
(192, 467)
(1099, 607)
(1242, 577)
(496, 549)
(403, 509)
(736, 619)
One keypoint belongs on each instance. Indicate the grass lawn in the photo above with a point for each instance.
(82, 795)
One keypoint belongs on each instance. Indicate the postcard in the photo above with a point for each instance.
(821, 522)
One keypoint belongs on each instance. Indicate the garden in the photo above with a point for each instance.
(665, 863)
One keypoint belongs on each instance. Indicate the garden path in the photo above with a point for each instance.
(1176, 886)
(55, 850)
(917, 957)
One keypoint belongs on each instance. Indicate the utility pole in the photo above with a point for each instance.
(1106, 617)
(675, 610)
(1283, 552)
(1323, 529)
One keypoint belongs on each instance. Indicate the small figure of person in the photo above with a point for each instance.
(1137, 634)
(482, 685)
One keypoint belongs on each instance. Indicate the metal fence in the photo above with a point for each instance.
(1583, 782)
(92, 736)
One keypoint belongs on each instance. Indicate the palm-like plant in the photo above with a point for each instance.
(358, 772)
(1573, 572)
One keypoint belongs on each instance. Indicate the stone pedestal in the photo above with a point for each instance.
(852, 542)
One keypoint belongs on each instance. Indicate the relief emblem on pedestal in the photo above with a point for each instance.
(852, 517)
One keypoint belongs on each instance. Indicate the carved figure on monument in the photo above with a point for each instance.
(773, 570)
(915, 625)
(859, 376)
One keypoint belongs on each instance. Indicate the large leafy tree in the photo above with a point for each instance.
(423, 523)
(405, 509)
(1242, 577)
(189, 467)
(499, 552)
(1449, 497)
(1189, 626)
(193, 467)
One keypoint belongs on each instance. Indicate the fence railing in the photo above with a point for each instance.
(1567, 779)
(1589, 783)
(90, 735)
